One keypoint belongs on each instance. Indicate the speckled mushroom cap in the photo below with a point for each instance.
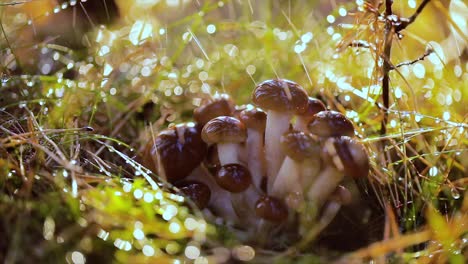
(253, 118)
(233, 177)
(222, 105)
(178, 154)
(224, 129)
(299, 145)
(314, 106)
(347, 155)
(331, 124)
(280, 95)
(271, 209)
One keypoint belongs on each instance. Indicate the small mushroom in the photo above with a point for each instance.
(227, 132)
(302, 150)
(221, 105)
(331, 124)
(271, 209)
(281, 99)
(237, 180)
(198, 192)
(254, 120)
(313, 107)
(342, 156)
(220, 199)
(175, 152)
(234, 178)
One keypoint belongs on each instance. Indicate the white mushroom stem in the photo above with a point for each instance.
(255, 156)
(287, 179)
(301, 124)
(220, 199)
(277, 123)
(328, 214)
(309, 171)
(228, 153)
(324, 185)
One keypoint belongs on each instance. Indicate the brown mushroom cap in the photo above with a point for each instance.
(198, 192)
(224, 129)
(331, 124)
(347, 155)
(314, 106)
(178, 158)
(253, 118)
(271, 209)
(234, 178)
(222, 105)
(280, 95)
(299, 145)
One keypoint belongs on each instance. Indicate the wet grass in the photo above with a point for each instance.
(76, 110)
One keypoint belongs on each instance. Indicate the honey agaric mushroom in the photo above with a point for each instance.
(197, 191)
(281, 99)
(342, 156)
(237, 180)
(331, 124)
(314, 106)
(222, 105)
(175, 152)
(271, 209)
(254, 120)
(302, 150)
(227, 132)
(234, 178)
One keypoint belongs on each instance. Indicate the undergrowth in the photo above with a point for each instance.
(85, 85)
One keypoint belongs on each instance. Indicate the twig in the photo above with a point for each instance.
(406, 22)
(422, 57)
(386, 63)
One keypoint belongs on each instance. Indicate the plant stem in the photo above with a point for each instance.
(387, 67)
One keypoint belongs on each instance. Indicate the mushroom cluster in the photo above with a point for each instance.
(261, 165)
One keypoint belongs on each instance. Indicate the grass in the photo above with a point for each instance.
(77, 109)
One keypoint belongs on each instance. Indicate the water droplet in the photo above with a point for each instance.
(455, 193)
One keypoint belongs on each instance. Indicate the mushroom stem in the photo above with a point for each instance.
(324, 185)
(255, 159)
(309, 171)
(301, 124)
(287, 179)
(277, 123)
(228, 153)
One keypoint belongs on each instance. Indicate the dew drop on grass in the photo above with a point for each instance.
(455, 193)
(433, 171)
(211, 29)
(419, 70)
(250, 69)
(148, 250)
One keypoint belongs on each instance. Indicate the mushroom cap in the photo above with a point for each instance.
(299, 145)
(331, 124)
(198, 192)
(224, 129)
(222, 105)
(233, 177)
(314, 106)
(253, 118)
(347, 155)
(280, 95)
(178, 158)
(271, 209)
